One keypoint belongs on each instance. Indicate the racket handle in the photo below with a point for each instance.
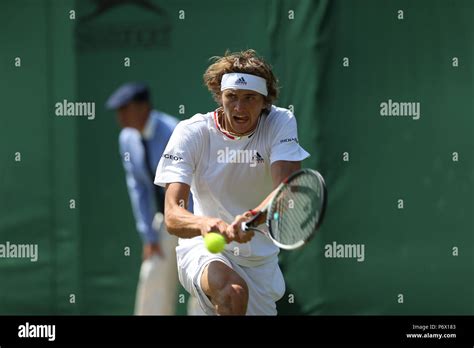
(244, 227)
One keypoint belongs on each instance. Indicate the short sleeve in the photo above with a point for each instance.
(178, 162)
(284, 139)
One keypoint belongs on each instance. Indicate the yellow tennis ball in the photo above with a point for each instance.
(215, 242)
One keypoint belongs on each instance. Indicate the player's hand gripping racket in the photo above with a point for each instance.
(295, 211)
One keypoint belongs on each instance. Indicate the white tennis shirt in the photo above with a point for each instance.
(229, 175)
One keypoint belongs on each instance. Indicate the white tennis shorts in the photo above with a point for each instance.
(265, 282)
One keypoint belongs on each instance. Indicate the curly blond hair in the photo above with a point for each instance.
(247, 62)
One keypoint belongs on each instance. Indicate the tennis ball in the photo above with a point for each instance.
(214, 242)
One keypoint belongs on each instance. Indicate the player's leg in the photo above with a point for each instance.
(193, 261)
(267, 286)
(227, 291)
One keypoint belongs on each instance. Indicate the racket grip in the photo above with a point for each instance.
(244, 226)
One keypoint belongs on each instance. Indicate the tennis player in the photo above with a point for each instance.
(231, 159)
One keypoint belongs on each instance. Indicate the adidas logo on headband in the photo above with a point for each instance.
(241, 81)
(244, 81)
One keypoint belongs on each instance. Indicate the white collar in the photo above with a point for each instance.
(149, 128)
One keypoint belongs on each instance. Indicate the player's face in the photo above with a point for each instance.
(242, 107)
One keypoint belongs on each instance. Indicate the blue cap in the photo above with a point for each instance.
(126, 93)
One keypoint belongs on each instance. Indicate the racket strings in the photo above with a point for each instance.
(296, 210)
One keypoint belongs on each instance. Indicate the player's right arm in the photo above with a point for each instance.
(180, 222)
(175, 171)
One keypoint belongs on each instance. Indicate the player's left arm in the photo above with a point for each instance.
(280, 170)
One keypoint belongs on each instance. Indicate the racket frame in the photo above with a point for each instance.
(262, 216)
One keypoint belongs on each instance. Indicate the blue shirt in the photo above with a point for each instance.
(141, 189)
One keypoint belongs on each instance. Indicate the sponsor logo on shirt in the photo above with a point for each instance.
(172, 157)
(257, 158)
(289, 140)
(250, 157)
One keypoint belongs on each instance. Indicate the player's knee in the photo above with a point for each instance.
(226, 289)
(235, 296)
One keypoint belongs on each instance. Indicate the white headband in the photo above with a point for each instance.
(244, 81)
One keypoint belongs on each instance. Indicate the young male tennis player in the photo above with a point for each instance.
(230, 159)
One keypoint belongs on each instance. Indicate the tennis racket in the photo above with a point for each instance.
(295, 212)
